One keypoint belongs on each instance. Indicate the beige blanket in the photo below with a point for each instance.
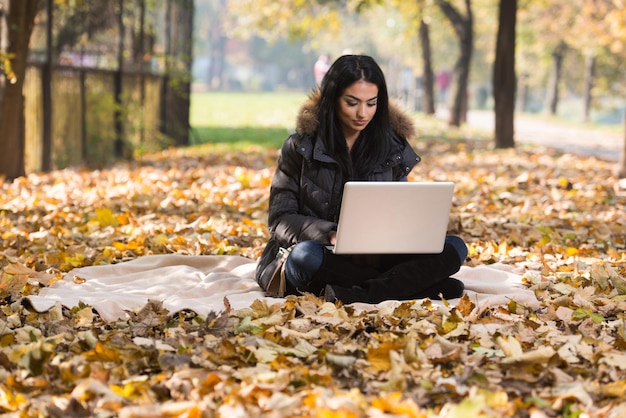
(200, 283)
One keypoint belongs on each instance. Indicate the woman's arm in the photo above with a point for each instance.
(287, 224)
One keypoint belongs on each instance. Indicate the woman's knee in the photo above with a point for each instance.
(304, 260)
(307, 255)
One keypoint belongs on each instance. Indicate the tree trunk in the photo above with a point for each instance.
(46, 92)
(139, 37)
(143, 69)
(177, 84)
(463, 27)
(118, 83)
(428, 80)
(165, 85)
(552, 97)
(20, 23)
(504, 75)
(590, 66)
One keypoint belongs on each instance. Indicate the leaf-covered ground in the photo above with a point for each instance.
(559, 217)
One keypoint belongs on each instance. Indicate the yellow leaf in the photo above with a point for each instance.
(120, 246)
(465, 306)
(244, 180)
(613, 389)
(76, 260)
(136, 244)
(105, 217)
(392, 403)
(103, 353)
(379, 357)
(7, 340)
(160, 239)
(130, 390)
(544, 240)
(178, 240)
(123, 218)
(563, 182)
(9, 400)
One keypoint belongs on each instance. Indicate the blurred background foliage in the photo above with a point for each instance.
(272, 45)
(569, 60)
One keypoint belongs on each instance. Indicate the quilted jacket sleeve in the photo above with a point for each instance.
(287, 223)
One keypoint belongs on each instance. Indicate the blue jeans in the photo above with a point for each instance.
(307, 257)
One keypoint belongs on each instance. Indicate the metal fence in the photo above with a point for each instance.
(83, 113)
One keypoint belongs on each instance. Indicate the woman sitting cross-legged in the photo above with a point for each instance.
(348, 131)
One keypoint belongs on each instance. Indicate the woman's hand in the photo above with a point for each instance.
(332, 237)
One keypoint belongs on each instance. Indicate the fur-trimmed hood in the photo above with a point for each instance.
(307, 123)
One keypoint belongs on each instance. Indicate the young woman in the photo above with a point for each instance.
(348, 130)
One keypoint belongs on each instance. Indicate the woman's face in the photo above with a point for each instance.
(356, 108)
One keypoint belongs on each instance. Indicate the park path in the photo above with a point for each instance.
(574, 139)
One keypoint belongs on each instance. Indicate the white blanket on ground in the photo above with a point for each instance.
(200, 284)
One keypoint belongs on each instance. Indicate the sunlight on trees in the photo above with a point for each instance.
(586, 37)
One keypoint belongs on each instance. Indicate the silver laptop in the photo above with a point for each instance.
(394, 217)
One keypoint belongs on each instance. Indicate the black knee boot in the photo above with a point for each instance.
(339, 271)
(423, 276)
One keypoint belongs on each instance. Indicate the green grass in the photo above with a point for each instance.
(246, 120)
(242, 120)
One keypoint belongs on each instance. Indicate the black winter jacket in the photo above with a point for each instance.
(306, 191)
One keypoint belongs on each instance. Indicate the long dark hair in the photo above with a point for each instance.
(373, 143)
